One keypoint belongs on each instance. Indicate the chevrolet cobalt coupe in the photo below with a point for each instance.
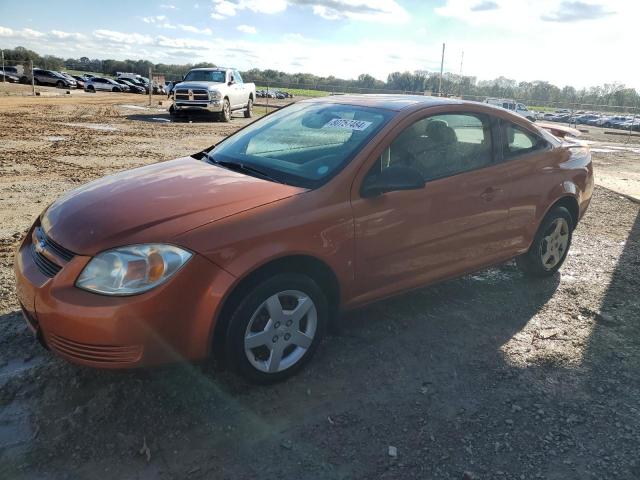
(248, 249)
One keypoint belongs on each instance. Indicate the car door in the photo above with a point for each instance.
(454, 224)
(237, 90)
(530, 162)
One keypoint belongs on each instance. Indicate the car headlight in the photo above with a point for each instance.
(215, 94)
(132, 269)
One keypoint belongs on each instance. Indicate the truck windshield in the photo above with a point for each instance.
(304, 144)
(216, 76)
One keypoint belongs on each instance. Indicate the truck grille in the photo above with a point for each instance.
(192, 94)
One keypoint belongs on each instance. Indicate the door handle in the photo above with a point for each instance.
(490, 193)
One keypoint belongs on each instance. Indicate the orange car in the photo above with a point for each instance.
(249, 248)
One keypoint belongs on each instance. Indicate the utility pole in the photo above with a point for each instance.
(2, 54)
(441, 70)
(33, 81)
(150, 86)
(460, 78)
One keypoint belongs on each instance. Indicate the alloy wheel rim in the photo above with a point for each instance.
(280, 331)
(554, 243)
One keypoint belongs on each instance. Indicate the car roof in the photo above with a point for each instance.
(211, 69)
(395, 102)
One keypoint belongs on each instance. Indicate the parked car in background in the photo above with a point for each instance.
(81, 81)
(129, 87)
(136, 80)
(517, 108)
(49, 77)
(8, 77)
(614, 121)
(217, 90)
(248, 249)
(105, 84)
(71, 78)
(18, 71)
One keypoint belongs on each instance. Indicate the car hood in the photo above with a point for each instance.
(154, 204)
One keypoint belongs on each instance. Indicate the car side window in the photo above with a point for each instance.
(442, 145)
(237, 77)
(519, 141)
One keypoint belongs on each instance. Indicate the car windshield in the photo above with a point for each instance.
(304, 144)
(217, 76)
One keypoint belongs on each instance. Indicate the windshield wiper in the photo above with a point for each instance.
(243, 168)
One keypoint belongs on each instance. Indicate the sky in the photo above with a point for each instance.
(580, 43)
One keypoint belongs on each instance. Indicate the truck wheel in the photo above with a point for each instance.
(225, 115)
(248, 113)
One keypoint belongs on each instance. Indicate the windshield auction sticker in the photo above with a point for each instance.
(348, 124)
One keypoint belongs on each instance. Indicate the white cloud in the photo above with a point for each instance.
(25, 33)
(168, 6)
(388, 11)
(247, 29)
(64, 35)
(120, 37)
(154, 19)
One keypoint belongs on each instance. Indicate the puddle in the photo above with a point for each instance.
(56, 139)
(135, 107)
(105, 127)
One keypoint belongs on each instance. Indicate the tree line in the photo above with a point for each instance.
(537, 92)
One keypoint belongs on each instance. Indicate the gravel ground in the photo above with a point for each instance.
(492, 374)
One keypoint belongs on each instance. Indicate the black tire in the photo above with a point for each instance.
(248, 113)
(225, 114)
(60, 84)
(36, 81)
(531, 263)
(235, 338)
(91, 89)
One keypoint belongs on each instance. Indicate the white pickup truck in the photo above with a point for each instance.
(509, 104)
(219, 90)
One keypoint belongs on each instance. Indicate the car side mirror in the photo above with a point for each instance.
(396, 177)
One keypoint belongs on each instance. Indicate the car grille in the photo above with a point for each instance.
(98, 354)
(40, 244)
(196, 94)
(46, 266)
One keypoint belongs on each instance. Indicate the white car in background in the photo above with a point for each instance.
(509, 104)
(105, 84)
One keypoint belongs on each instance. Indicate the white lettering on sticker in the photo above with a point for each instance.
(348, 124)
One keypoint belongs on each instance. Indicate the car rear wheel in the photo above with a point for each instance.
(550, 245)
(36, 81)
(91, 89)
(276, 329)
(60, 84)
(248, 113)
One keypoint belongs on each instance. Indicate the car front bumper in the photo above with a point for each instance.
(172, 322)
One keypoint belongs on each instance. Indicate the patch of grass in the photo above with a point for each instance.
(298, 92)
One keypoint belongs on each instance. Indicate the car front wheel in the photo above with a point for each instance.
(550, 245)
(276, 329)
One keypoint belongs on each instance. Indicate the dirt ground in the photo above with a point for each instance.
(491, 374)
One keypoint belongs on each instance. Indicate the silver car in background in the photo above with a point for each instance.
(94, 84)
